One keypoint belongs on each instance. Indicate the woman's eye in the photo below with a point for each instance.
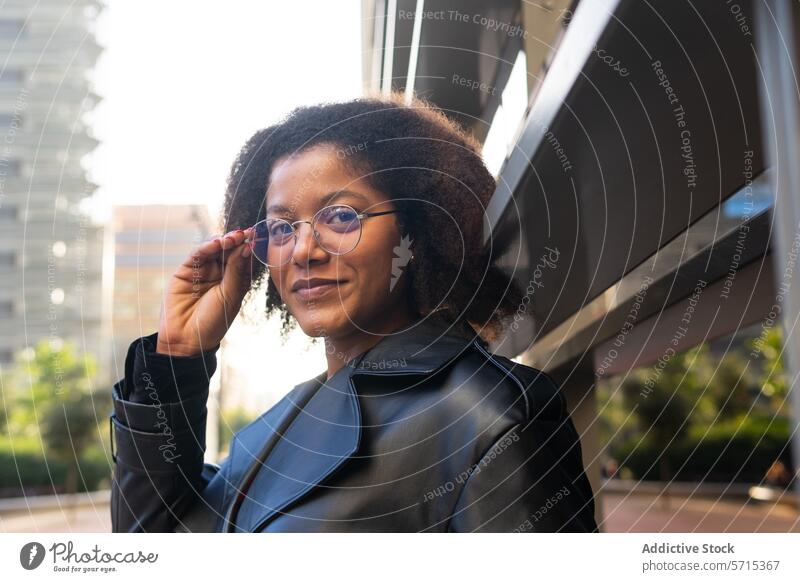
(340, 215)
(280, 229)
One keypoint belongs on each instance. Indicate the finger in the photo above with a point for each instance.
(241, 258)
(237, 246)
(237, 275)
(233, 239)
(216, 248)
(204, 252)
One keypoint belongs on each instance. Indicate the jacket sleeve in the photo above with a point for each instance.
(158, 426)
(530, 480)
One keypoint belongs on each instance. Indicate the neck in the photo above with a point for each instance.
(343, 349)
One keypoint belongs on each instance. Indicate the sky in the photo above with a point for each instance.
(184, 84)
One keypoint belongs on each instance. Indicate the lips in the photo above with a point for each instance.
(314, 288)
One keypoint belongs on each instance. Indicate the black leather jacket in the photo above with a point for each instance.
(426, 431)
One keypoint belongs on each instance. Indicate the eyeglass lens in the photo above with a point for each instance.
(336, 228)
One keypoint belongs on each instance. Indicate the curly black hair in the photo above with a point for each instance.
(429, 167)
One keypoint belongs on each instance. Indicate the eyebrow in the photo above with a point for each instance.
(327, 198)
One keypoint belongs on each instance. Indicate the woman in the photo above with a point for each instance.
(367, 217)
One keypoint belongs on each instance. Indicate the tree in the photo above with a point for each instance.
(702, 413)
(731, 388)
(773, 381)
(55, 401)
(4, 406)
(663, 397)
(68, 428)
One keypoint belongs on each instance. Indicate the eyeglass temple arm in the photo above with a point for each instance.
(363, 214)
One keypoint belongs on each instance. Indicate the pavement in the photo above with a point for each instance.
(680, 513)
(622, 513)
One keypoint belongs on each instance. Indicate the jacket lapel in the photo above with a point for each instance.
(326, 431)
(321, 437)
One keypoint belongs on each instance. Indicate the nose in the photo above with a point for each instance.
(306, 247)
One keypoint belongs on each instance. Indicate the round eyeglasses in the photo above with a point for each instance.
(336, 228)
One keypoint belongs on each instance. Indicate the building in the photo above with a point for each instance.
(647, 145)
(150, 241)
(51, 250)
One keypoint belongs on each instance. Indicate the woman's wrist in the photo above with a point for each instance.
(175, 350)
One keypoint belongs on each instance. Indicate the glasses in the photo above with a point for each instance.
(336, 228)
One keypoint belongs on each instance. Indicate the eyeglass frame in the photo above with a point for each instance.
(359, 216)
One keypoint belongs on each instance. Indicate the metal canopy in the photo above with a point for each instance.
(628, 143)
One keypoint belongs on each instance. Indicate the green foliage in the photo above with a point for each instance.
(3, 415)
(231, 422)
(773, 383)
(662, 398)
(49, 398)
(695, 417)
(738, 450)
(51, 370)
(28, 471)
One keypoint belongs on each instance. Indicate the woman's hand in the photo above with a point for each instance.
(204, 295)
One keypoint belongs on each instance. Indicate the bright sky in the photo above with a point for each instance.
(184, 84)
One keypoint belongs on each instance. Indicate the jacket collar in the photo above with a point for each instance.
(319, 423)
(421, 347)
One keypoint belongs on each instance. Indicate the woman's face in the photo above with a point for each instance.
(360, 296)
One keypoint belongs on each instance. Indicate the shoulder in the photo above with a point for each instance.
(521, 393)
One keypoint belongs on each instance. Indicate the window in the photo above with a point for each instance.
(6, 356)
(10, 78)
(10, 168)
(8, 259)
(10, 29)
(188, 236)
(7, 119)
(149, 260)
(9, 213)
(6, 308)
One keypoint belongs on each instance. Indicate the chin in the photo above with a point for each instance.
(320, 322)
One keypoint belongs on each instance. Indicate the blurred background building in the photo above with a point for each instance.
(149, 241)
(51, 250)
